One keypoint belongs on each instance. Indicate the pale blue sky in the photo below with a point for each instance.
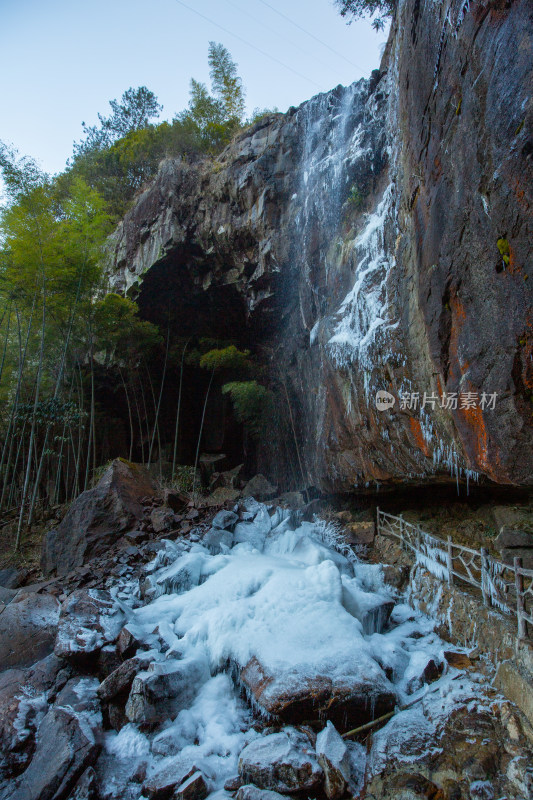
(62, 60)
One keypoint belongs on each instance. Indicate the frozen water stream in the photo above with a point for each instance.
(268, 588)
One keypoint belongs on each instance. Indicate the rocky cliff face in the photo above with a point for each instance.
(379, 237)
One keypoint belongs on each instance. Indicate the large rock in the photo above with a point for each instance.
(251, 792)
(66, 747)
(164, 689)
(350, 701)
(163, 783)
(120, 680)
(97, 518)
(283, 762)
(162, 519)
(192, 788)
(28, 628)
(89, 621)
(11, 578)
(225, 520)
(334, 758)
(23, 701)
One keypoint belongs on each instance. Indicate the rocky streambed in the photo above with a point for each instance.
(230, 661)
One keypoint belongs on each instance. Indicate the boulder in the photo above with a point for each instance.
(89, 620)
(65, 748)
(250, 792)
(283, 762)
(97, 518)
(216, 540)
(11, 578)
(225, 520)
(175, 499)
(28, 628)
(209, 463)
(127, 643)
(260, 488)
(512, 537)
(119, 682)
(193, 788)
(23, 699)
(79, 694)
(136, 537)
(253, 533)
(161, 785)
(333, 756)
(164, 689)
(226, 479)
(162, 519)
(351, 701)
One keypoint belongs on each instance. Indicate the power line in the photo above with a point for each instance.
(253, 46)
(277, 33)
(312, 35)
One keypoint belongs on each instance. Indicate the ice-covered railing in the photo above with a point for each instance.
(506, 587)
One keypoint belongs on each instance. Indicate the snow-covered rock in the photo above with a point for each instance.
(121, 679)
(166, 780)
(164, 689)
(193, 788)
(283, 762)
(225, 520)
(250, 792)
(89, 619)
(66, 746)
(334, 758)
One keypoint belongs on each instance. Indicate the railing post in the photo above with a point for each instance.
(484, 577)
(449, 561)
(520, 607)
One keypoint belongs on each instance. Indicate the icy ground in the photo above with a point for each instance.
(288, 594)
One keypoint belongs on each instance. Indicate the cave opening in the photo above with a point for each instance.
(195, 311)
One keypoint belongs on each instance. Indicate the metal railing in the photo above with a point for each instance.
(504, 586)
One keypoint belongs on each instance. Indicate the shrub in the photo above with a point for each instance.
(252, 403)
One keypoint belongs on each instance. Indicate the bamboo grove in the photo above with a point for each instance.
(59, 326)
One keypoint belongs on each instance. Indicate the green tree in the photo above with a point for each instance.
(138, 107)
(219, 115)
(226, 84)
(380, 10)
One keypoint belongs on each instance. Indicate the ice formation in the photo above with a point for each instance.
(280, 591)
